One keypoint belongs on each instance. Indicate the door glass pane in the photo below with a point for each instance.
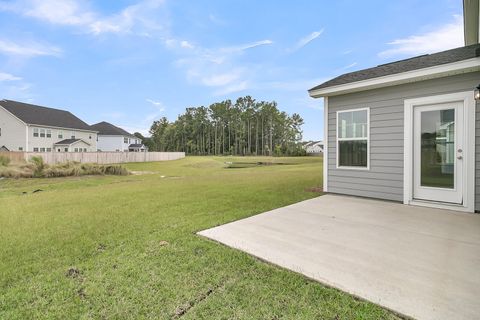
(438, 148)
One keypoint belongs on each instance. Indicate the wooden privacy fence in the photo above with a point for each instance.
(96, 157)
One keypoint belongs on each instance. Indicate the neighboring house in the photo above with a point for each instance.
(113, 138)
(28, 127)
(409, 130)
(313, 147)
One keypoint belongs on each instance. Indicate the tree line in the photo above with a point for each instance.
(245, 127)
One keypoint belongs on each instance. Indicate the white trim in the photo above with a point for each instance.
(325, 144)
(62, 128)
(468, 152)
(469, 65)
(337, 139)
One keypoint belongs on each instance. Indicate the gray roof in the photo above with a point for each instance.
(67, 142)
(136, 145)
(33, 114)
(105, 128)
(420, 62)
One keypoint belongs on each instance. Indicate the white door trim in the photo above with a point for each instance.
(468, 153)
(325, 144)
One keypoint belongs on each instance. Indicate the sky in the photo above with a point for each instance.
(132, 62)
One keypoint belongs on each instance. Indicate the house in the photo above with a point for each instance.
(313, 147)
(28, 127)
(408, 130)
(113, 138)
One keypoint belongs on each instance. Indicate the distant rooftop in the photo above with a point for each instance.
(33, 114)
(108, 129)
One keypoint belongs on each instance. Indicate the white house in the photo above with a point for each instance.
(28, 127)
(314, 147)
(113, 138)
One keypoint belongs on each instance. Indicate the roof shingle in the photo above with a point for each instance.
(105, 128)
(420, 62)
(33, 114)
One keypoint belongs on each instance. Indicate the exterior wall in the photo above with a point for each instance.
(477, 156)
(384, 180)
(44, 142)
(115, 143)
(13, 135)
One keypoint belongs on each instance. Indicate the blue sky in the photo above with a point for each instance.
(131, 62)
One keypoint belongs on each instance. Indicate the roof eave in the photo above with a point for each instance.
(448, 69)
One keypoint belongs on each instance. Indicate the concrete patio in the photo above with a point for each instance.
(420, 262)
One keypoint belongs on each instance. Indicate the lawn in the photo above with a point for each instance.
(124, 247)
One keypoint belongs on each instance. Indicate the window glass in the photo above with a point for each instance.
(352, 124)
(49, 133)
(35, 149)
(42, 149)
(35, 132)
(42, 133)
(352, 138)
(60, 134)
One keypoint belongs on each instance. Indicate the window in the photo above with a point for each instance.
(352, 138)
(90, 137)
(42, 149)
(60, 134)
(20, 148)
(59, 150)
(35, 132)
(125, 140)
(76, 149)
(49, 149)
(35, 149)
(84, 149)
(66, 149)
(42, 133)
(0, 132)
(49, 133)
(72, 136)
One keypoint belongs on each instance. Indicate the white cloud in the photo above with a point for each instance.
(232, 88)
(28, 49)
(443, 38)
(137, 18)
(246, 46)
(307, 39)
(67, 12)
(156, 103)
(351, 65)
(218, 80)
(186, 45)
(8, 77)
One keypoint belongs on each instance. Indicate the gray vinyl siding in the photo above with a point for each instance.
(384, 180)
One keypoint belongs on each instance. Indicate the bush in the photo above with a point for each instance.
(39, 165)
(37, 168)
(4, 161)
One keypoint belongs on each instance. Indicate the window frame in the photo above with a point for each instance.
(337, 140)
(36, 132)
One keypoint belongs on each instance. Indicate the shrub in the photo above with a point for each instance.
(39, 165)
(4, 161)
(37, 168)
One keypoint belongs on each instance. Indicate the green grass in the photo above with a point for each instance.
(124, 247)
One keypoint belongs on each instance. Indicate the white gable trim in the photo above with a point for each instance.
(448, 69)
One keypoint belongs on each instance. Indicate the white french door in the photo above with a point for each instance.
(438, 163)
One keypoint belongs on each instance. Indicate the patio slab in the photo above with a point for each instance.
(420, 262)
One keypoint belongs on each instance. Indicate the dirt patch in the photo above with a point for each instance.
(239, 165)
(101, 247)
(139, 173)
(73, 273)
(183, 309)
(315, 189)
